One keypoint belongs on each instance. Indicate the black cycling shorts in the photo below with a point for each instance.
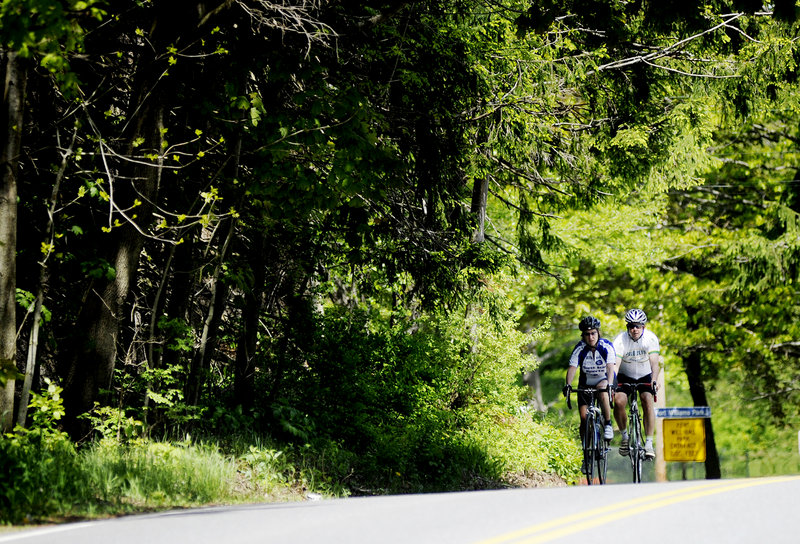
(583, 398)
(623, 379)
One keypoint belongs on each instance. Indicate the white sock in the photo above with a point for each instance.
(624, 435)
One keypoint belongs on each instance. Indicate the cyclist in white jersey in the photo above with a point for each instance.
(595, 358)
(637, 350)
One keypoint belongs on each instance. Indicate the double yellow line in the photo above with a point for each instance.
(582, 521)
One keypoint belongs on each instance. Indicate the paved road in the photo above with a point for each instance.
(763, 510)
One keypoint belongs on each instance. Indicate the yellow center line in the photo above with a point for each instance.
(567, 525)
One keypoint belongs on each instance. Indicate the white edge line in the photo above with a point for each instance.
(30, 533)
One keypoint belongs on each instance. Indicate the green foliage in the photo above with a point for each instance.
(27, 300)
(49, 31)
(266, 467)
(177, 334)
(41, 474)
(635, 157)
(8, 371)
(526, 445)
(47, 479)
(420, 403)
(272, 473)
(113, 424)
(165, 392)
(47, 409)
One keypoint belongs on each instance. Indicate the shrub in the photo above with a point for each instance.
(41, 476)
(423, 405)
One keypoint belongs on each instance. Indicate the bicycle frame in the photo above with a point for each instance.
(635, 442)
(595, 446)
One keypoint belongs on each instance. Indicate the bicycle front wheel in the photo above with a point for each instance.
(588, 449)
(636, 451)
(600, 454)
(636, 462)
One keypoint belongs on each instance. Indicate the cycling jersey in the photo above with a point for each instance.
(592, 362)
(635, 355)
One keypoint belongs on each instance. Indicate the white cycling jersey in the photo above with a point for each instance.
(635, 355)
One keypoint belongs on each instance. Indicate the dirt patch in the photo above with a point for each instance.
(534, 479)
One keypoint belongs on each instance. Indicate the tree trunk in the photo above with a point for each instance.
(219, 294)
(13, 109)
(95, 352)
(154, 88)
(698, 392)
(694, 373)
(480, 192)
(182, 286)
(33, 341)
(243, 383)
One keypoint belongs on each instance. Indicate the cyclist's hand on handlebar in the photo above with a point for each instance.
(566, 390)
(655, 387)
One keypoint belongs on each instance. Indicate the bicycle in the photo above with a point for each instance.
(595, 446)
(635, 443)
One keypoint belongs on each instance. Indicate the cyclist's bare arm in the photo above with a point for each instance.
(655, 365)
(617, 364)
(571, 374)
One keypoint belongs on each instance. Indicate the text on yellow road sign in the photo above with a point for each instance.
(684, 440)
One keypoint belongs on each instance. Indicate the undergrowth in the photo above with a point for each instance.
(44, 477)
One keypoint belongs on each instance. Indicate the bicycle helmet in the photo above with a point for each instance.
(635, 315)
(589, 322)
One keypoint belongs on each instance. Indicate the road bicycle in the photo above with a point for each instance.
(595, 446)
(635, 442)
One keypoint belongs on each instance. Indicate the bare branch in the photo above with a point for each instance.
(666, 51)
(296, 18)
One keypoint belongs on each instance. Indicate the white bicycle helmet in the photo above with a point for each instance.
(635, 315)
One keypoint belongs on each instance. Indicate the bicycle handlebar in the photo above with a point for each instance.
(638, 386)
(592, 390)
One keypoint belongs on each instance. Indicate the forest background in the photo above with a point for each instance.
(344, 246)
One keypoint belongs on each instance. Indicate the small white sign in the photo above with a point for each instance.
(684, 411)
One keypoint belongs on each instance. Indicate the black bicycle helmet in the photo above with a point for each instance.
(635, 315)
(588, 323)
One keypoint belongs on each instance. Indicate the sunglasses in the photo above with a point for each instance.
(635, 326)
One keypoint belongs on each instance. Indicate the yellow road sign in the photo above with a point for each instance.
(684, 440)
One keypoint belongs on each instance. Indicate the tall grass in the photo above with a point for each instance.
(152, 475)
(44, 478)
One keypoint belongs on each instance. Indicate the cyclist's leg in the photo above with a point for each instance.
(648, 414)
(620, 412)
(582, 410)
(620, 405)
(605, 408)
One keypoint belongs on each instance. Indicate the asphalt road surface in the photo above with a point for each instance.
(760, 510)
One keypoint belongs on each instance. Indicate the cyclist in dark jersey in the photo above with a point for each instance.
(595, 357)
